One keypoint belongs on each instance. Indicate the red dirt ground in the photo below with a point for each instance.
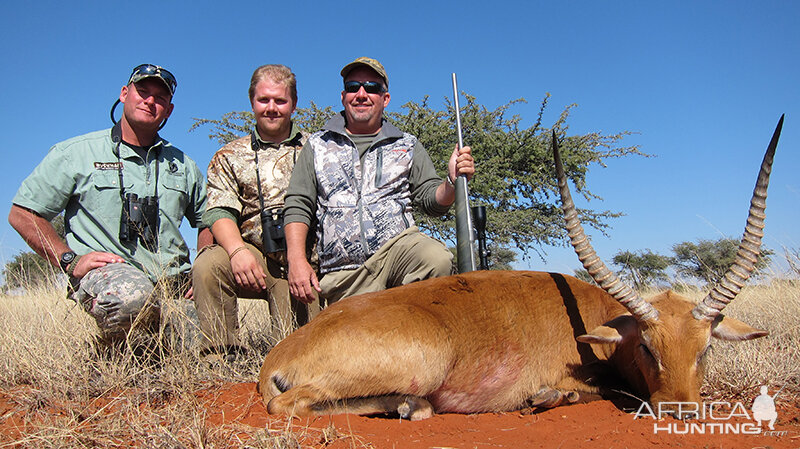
(598, 424)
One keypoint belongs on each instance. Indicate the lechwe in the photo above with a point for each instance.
(502, 340)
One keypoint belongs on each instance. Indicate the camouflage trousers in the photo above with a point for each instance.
(117, 296)
(216, 296)
(408, 257)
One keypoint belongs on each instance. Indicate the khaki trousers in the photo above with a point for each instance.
(409, 257)
(216, 293)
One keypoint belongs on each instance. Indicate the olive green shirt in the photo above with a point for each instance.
(81, 177)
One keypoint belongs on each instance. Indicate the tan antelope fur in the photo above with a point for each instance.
(503, 340)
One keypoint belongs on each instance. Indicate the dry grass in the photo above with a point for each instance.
(70, 397)
(73, 397)
(738, 369)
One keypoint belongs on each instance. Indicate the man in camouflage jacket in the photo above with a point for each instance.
(358, 178)
(238, 265)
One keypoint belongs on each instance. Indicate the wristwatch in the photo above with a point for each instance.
(66, 259)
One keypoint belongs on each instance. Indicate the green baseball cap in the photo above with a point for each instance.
(369, 62)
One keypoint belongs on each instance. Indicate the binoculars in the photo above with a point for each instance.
(139, 220)
(273, 239)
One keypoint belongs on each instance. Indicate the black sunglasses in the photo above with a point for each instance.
(145, 70)
(371, 87)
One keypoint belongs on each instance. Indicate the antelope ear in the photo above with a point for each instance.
(731, 329)
(613, 331)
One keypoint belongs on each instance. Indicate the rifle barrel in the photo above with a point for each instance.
(465, 235)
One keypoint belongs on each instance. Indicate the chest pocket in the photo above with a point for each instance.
(173, 195)
(104, 195)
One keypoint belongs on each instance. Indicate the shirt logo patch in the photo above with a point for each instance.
(108, 165)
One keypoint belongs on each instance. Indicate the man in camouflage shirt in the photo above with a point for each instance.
(113, 274)
(358, 178)
(257, 165)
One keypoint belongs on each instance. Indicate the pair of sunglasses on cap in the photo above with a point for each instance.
(371, 87)
(149, 70)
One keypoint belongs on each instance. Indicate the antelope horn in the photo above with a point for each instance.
(604, 277)
(747, 255)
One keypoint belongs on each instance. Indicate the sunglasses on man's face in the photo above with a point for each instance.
(154, 70)
(371, 87)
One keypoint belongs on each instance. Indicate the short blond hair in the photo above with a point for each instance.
(278, 73)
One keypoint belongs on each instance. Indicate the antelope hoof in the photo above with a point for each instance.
(415, 408)
(549, 398)
(572, 397)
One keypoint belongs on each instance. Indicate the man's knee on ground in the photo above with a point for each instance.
(117, 314)
(115, 295)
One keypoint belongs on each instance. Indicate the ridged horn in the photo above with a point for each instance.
(749, 249)
(604, 277)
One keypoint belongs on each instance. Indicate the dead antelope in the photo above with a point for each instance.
(503, 340)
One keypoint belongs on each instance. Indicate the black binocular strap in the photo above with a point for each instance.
(116, 137)
(256, 145)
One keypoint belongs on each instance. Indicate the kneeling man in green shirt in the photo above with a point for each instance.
(124, 192)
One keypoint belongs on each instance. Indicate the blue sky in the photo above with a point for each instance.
(702, 83)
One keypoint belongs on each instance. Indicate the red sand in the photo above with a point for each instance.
(597, 424)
